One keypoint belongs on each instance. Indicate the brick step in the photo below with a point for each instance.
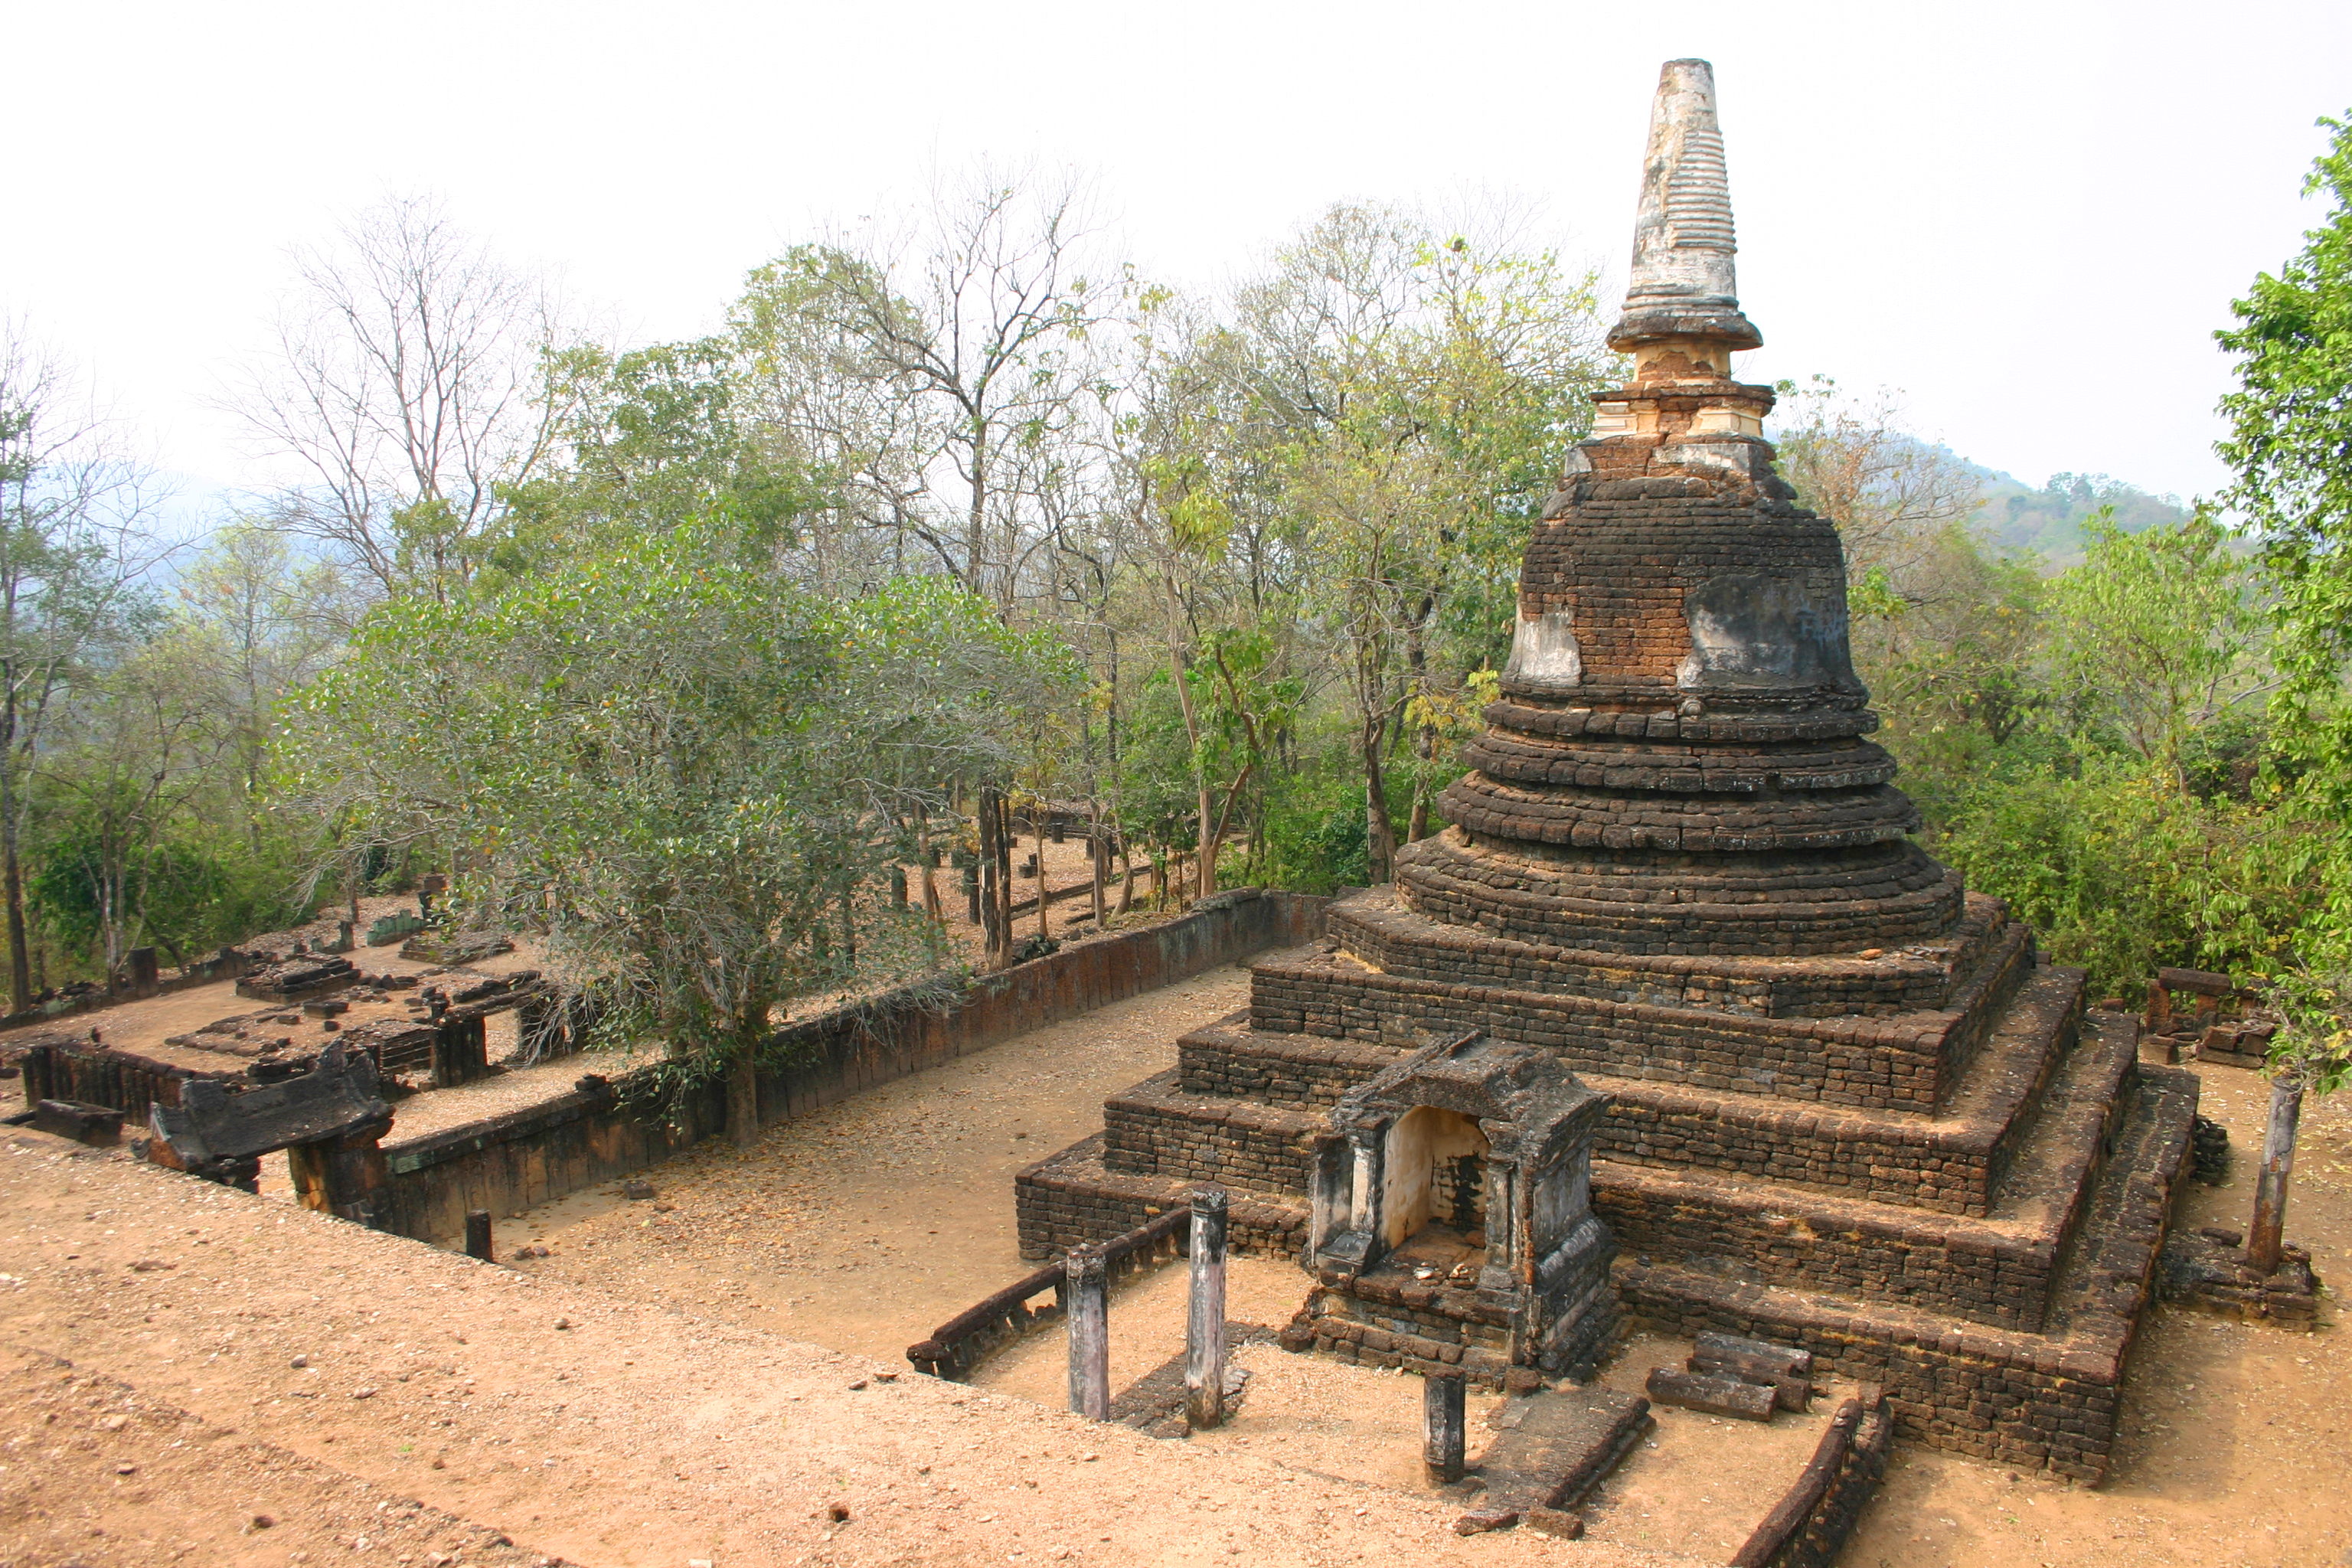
(1156, 1129)
(1069, 1198)
(1999, 1268)
(1230, 1059)
(1378, 927)
(2047, 1399)
(1952, 1163)
(1912, 1063)
(1394, 1335)
(2111, 1267)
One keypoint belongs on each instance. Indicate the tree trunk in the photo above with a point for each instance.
(1043, 929)
(996, 877)
(743, 1102)
(927, 859)
(1380, 831)
(1094, 856)
(12, 879)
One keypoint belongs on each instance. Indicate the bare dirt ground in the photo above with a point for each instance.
(475, 1402)
(96, 1472)
(684, 1415)
(2234, 1443)
(2230, 1429)
(870, 1222)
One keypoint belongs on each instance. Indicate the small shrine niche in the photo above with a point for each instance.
(1453, 1204)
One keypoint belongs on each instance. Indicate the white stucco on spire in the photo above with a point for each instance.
(1684, 282)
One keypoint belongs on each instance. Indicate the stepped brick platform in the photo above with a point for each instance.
(1848, 1107)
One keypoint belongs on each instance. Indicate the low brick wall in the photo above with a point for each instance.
(228, 964)
(1068, 1199)
(89, 1074)
(528, 1157)
(1810, 1524)
(1157, 1129)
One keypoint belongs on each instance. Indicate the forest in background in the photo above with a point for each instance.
(677, 656)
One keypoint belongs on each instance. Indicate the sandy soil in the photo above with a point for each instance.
(2227, 1429)
(94, 1472)
(870, 1222)
(584, 1426)
(861, 1226)
(2234, 1444)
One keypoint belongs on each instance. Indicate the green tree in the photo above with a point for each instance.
(1416, 392)
(73, 553)
(2289, 442)
(2153, 637)
(686, 778)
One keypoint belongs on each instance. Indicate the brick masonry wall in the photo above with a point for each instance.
(510, 1163)
(2038, 1401)
(1895, 1064)
(1157, 1129)
(1068, 1199)
(1295, 1071)
(1377, 928)
(1982, 1273)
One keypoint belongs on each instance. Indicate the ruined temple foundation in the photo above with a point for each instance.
(1835, 1101)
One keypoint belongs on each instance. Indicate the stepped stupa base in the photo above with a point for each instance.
(1978, 1236)
(1826, 1097)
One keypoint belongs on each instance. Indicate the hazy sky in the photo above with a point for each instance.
(2028, 218)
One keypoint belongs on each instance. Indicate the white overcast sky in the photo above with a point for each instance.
(2028, 218)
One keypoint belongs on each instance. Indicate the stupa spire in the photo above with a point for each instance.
(1684, 289)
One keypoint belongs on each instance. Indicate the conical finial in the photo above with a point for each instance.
(1683, 284)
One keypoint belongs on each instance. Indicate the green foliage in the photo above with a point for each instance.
(2291, 443)
(686, 778)
(1313, 838)
(2316, 1043)
(2151, 635)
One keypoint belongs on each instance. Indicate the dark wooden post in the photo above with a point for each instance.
(1444, 1430)
(1097, 864)
(1086, 1307)
(2266, 1237)
(478, 1235)
(1204, 1360)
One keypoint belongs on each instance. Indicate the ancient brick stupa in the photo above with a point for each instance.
(1847, 1108)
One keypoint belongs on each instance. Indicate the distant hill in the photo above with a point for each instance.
(2049, 521)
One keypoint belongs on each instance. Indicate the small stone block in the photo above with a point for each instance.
(1484, 1519)
(95, 1124)
(1561, 1524)
(1712, 1395)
